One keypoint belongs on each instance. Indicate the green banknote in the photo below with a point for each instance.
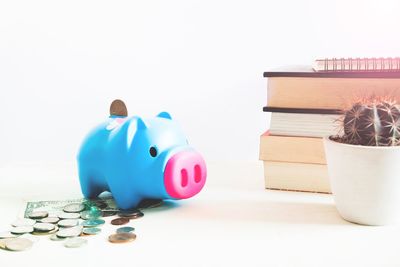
(56, 206)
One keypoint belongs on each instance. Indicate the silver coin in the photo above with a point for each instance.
(32, 238)
(91, 231)
(75, 242)
(38, 214)
(54, 237)
(23, 222)
(125, 229)
(50, 220)
(68, 223)
(18, 244)
(93, 223)
(44, 227)
(54, 213)
(22, 230)
(8, 234)
(91, 214)
(73, 208)
(70, 232)
(65, 215)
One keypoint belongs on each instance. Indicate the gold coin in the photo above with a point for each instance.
(120, 221)
(3, 242)
(118, 108)
(122, 238)
(55, 230)
(130, 214)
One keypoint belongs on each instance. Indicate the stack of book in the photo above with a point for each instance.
(305, 105)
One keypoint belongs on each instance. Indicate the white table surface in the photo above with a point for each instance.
(233, 222)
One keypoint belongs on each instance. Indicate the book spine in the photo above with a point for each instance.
(296, 177)
(292, 149)
(334, 94)
(302, 110)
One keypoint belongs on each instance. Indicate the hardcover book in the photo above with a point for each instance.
(302, 87)
(292, 149)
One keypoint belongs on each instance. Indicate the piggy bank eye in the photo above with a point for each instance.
(153, 151)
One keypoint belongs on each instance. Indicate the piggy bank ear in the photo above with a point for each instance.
(133, 128)
(141, 125)
(165, 115)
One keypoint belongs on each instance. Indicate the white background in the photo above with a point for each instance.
(62, 62)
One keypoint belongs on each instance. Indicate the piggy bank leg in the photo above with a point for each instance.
(124, 197)
(88, 186)
(126, 202)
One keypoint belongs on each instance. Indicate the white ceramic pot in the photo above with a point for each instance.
(365, 182)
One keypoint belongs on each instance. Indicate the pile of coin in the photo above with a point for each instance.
(73, 224)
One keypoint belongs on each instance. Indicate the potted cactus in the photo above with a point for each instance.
(364, 163)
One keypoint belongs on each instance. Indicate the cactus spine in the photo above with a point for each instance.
(373, 122)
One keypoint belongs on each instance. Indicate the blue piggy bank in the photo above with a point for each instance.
(136, 159)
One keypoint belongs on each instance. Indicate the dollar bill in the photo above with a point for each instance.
(53, 207)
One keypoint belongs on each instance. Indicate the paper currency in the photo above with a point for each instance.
(62, 219)
(54, 207)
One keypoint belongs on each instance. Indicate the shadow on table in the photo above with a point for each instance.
(273, 212)
(167, 205)
(302, 213)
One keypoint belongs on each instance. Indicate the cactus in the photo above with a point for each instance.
(372, 122)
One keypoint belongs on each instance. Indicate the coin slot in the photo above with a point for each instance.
(184, 178)
(197, 173)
